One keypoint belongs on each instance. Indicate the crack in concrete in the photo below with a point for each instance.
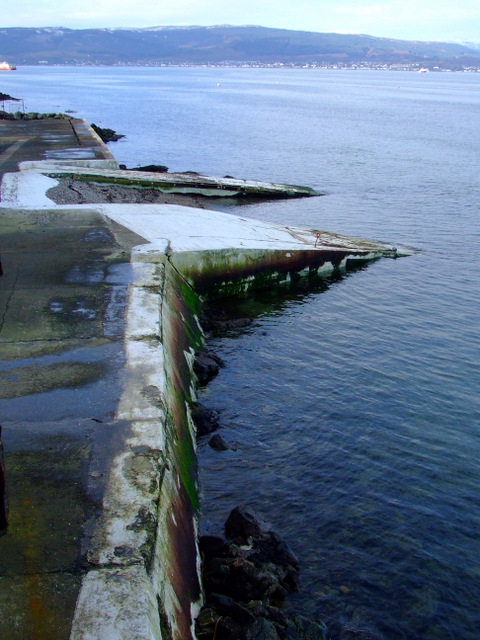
(7, 305)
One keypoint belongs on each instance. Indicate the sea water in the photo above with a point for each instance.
(354, 406)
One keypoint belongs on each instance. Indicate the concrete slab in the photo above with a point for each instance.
(179, 183)
(62, 303)
(54, 139)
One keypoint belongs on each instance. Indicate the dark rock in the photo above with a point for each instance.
(350, 633)
(275, 615)
(246, 579)
(241, 614)
(241, 523)
(218, 319)
(206, 366)
(225, 325)
(152, 168)
(218, 443)
(211, 546)
(105, 134)
(206, 420)
(220, 565)
(216, 578)
(220, 601)
(301, 628)
(205, 623)
(261, 629)
(290, 581)
(248, 582)
(227, 629)
(271, 548)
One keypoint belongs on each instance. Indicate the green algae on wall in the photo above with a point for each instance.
(176, 549)
(226, 272)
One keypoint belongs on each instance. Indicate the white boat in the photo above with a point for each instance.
(4, 66)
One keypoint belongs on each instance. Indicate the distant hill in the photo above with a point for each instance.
(220, 45)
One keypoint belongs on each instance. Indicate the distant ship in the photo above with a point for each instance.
(4, 66)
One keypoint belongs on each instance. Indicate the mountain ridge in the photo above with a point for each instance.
(222, 44)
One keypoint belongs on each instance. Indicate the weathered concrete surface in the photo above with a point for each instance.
(62, 301)
(179, 183)
(99, 323)
(55, 140)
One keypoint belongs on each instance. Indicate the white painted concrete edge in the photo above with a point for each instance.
(117, 600)
(185, 228)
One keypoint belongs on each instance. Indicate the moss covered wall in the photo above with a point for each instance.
(225, 272)
(176, 570)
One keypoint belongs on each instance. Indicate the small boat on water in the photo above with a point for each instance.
(4, 66)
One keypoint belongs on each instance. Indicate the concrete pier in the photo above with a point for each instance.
(99, 325)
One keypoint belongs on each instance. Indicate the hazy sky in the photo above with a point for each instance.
(445, 20)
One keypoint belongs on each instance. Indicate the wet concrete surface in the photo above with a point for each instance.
(62, 302)
(51, 139)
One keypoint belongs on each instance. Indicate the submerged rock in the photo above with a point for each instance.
(242, 524)
(218, 443)
(303, 628)
(215, 319)
(206, 366)
(152, 168)
(246, 578)
(205, 419)
(105, 134)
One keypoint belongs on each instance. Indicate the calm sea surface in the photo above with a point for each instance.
(355, 407)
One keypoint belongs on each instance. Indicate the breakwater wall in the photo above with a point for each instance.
(143, 580)
(140, 562)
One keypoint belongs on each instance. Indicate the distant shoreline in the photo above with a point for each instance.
(413, 68)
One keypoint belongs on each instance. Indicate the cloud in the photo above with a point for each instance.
(407, 19)
(127, 13)
(402, 19)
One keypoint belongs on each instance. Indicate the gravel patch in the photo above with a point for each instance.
(70, 191)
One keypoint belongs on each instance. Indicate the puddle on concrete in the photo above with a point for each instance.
(70, 310)
(70, 154)
(24, 381)
(84, 382)
(87, 274)
(114, 317)
(98, 235)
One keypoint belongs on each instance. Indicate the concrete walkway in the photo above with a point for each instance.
(62, 302)
(98, 328)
